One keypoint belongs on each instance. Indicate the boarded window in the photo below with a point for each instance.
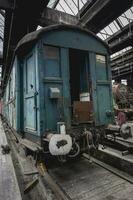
(51, 52)
(30, 74)
(52, 61)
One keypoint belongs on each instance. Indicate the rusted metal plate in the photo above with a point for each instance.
(82, 111)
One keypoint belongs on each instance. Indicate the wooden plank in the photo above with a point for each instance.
(58, 191)
(113, 170)
(30, 145)
(83, 180)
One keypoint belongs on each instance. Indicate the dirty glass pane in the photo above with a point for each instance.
(51, 52)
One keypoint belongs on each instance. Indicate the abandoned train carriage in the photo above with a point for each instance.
(60, 83)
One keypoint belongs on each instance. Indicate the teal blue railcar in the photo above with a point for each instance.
(62, 85)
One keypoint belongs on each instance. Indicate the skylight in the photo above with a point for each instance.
(1, 31)
(68, 6)
(125, 19)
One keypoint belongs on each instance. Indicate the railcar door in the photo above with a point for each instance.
(101, 89)
(30, 95)
(52, 86)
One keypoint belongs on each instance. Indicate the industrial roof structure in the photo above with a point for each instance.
(73, 7)
(111, 20)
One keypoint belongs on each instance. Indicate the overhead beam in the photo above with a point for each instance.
(51, 16)
(55, 4)
(122, 64)
(123, 43)
(122, 58)
(93, 11)
(122, 70)
(101, 13)
(121, 39)
(6, 4)
(86, 7)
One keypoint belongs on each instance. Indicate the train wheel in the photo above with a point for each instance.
(75, 151)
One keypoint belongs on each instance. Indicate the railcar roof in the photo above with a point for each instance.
(32, 37)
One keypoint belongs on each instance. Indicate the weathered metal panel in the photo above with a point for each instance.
(40, 76)
(9, 100)
(54, 73)
(93, 84)
(101, 89)
(28, 41)
(74, 39)
(52, 79)
(37, 93)
(53, 107)
(104, 104)
(46, 67)
(99, 74)
(13, 97)
(66, 85)
(19, 85)
(30, 93)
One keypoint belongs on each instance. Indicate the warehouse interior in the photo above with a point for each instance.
(114, 27)
(110, 147)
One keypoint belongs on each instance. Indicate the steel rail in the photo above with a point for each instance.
(111, 169)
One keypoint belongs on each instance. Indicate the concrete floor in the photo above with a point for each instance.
(9, 189)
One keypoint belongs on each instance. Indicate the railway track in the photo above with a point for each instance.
(82, 179)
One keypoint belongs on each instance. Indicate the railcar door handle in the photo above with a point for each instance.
(35, 107)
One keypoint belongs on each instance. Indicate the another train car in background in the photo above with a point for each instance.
(123, 99)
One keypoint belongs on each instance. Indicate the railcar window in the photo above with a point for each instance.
(30, 74)
(100, 58)
(51, 61)
(101, 67)
(51, 52)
